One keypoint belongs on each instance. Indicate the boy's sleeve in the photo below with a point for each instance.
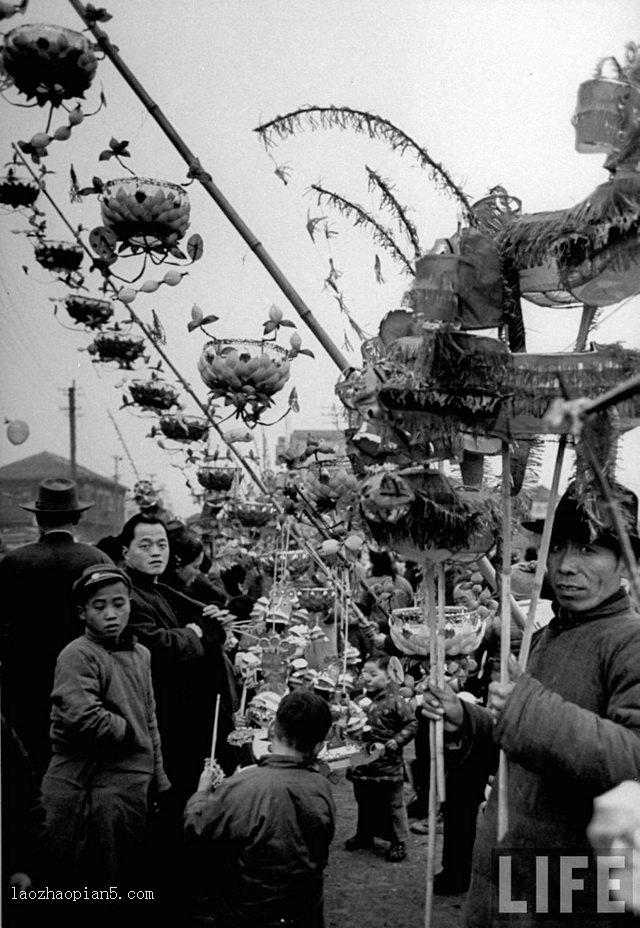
(160, 779)
(78, 707)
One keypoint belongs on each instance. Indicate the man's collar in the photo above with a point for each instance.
(613, 605)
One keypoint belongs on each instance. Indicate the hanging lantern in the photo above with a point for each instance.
(59, 257)
(463, 631)
(607, 111)
(16, 191)
(153, 395)
(145, 214)
(247, 374)
(329, 484)
(184, 428)
(315, 598)
(48, 63)
(219, 477)
(252, 513)
(89, 311)
(17, 431)
(293, 562)
(114, 346)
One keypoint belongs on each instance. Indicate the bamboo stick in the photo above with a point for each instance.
(205, 179)
(543, 552)
(505, 624)
(433, 816)
(488, 572)
(440, 764)
(214, 736)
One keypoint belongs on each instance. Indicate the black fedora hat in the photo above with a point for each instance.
(57, 494)
(589, 518)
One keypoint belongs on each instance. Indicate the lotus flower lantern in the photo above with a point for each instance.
(153, 394)
(60, 257)
(145, 214)
(247, 374)
(184, 428)
(48, 63)
(125, 350)
(90, 311)
(17, 192)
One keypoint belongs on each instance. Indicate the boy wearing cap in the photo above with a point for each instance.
(38, 617)
(105, 746)
(570, 729)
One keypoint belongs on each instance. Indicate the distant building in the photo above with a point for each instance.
(19, 484)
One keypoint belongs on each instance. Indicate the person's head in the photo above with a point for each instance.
(375, 673)
(57, 505)
(302, 721)
(585, 563)
(186, 552)
(101, 595)
(145, 544)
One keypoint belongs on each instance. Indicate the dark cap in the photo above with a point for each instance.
(588, 519)
(98, 575)
(57, 494)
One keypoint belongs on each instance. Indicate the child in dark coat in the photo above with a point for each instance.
(378, 786)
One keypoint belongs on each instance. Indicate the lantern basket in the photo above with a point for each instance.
(48, 63)
(17, 192)
(184, 428)
(463, 631)
(90, 311)
(114, 346)
(218, 477)
(294, 562)
(607, 111)
(252, 513)
(246, 373)
(60, 257)
(315, 598)
(153, 395)
(145, 214)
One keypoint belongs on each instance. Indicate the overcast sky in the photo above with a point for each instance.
(488, 87)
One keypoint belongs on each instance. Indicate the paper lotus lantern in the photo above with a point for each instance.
(216, 477)
(247, 374)
(293, 562)
(463, 631)
(153, 395)
(88, 310)
(48, 63)
(114, 346)
(60, 257)
(145, 214)
(17, 192)
(252, 513)
(184, 428)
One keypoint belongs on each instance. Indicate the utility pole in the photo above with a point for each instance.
(71, 392)
(116, 469)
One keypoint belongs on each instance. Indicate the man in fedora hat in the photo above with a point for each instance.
(570, 729)
(38, 617)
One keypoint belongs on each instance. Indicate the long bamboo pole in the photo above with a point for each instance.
(543, 552)
(205, 179)
(505, 625)
(429, 616)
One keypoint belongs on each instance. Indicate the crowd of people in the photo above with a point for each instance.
(120, 693)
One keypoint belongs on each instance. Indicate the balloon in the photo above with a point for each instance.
(17, 431)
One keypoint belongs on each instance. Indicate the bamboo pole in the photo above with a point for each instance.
(205, 179)
(488, 572)
(436, 757)
(431, 839)
(439, 655)
(505, 625)
(543, 552)
(214, 736)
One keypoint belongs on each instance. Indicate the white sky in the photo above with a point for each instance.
(488, 87)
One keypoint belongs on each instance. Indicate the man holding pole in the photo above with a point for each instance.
(569, 726)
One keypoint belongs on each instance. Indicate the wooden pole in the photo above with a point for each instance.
(543, 552)
(436, 756)
(439, 654)
(214, 737)
(505, 624)
(205, 179)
